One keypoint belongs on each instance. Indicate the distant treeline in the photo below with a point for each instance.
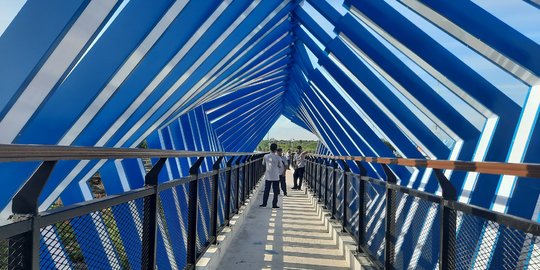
(307, 145)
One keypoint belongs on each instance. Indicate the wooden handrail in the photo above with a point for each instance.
(501, 168)
(19, 152)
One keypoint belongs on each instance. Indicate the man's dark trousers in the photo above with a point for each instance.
(298, 176)
(283, 184)
(275, 190)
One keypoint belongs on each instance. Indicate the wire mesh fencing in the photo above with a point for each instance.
(133, 230)
(417, 224)
(97, 240)
(174, 206)
(11, 253)
(483, 243)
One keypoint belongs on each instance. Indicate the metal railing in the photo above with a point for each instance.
(124, 229)
(399, 227)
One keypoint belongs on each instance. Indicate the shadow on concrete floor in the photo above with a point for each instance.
(292, 237)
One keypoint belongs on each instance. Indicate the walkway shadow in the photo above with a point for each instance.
(291, 237)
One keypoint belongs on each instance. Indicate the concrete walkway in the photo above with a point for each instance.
(292, 237)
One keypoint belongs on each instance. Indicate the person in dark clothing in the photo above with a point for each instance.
(273, 165)
(299, 164)
(283, 171)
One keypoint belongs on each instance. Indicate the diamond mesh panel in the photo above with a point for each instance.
(317, 179)
(417, 232)
(320, 184)
(374, 221)
(174, 206)
(203, 218)
(221, 198)
(233, 190)
(241, 186)
(99, 240)
(352, 204)
(11, 253)
(339, 195)
(330, 188)
(482, 243)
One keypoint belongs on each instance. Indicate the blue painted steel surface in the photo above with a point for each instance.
(214, 75)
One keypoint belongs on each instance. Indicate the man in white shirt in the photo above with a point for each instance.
(299, 165)
(283, 171)
(273, 166)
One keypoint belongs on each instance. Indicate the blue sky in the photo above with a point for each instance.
(8, 10)
(284, 129)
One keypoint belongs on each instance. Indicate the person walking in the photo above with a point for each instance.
(299, 164)
(288, 158)
(273, 166)
(283, 171)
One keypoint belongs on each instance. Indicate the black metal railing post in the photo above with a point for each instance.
(228, 179)
(252, 174)
(257, 169)
(390, 234)
(314, 176)
(326, 176)
(25, 205)
(346, 171)
(215, 202)
(149, 231)
(250, 178)
(334, 187)
(237, 197)
(246, 179)
(306, 172)
(307, 176)
(191, 251)
(258, 165)
(242, 165)
(361, 205)
(322, 172)
(447, 256)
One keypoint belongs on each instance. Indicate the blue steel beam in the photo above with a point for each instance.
(249, 101)
(232, 127)
(239, 116)
(400, 111)
(486, 34)
(440, 111)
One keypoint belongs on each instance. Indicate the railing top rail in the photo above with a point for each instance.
(17, 152)
(518, 169)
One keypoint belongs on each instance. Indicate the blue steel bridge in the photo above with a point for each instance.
(425, 111)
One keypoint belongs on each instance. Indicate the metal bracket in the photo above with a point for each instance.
(151, 178)
(390, 176)
(345, 165)
(26, 200)
(230, 161)
(216, 164)
(448, 190)
(363, 170)
(195, 167)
